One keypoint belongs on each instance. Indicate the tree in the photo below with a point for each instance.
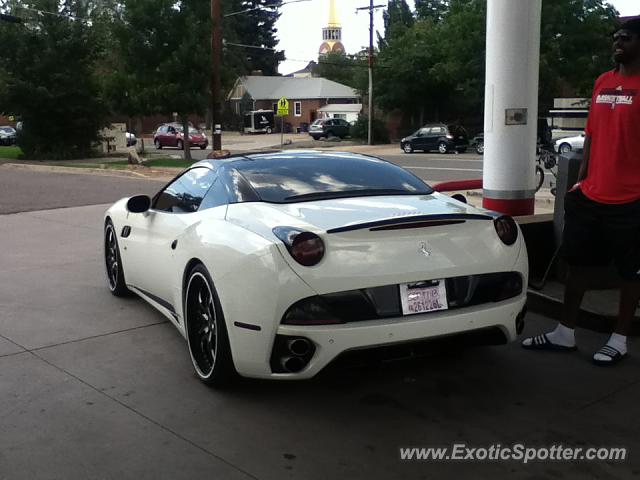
(162, 61)
(435, 69)
(255, 27)
(397, 19)
(348, 70)
(434, 10)
(575, 46)
(49, 78)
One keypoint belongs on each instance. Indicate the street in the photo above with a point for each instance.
(93, 386)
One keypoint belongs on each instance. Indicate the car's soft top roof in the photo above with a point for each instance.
(214, 164)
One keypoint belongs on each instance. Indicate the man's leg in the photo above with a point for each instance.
(563, 335)
(629, 298)
(616, 347)
(577, 282)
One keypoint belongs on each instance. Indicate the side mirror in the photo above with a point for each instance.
(139, 204)
(460, 197)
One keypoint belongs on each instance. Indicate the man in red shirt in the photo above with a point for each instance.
(602, 210)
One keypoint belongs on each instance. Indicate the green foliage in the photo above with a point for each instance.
(575, 46)
(360, 130)
(397, 19)
(348, 70)
(434, 70)
(11, 153)
(49, 80)
(255, 28)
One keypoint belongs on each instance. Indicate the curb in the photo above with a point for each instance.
(551, 307)
(70, 169)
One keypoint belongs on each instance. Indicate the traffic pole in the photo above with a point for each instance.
(216, 66)
(511, 105)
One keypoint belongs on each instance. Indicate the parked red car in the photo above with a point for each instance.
(171, 135)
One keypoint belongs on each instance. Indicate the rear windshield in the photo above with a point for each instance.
(303, 177)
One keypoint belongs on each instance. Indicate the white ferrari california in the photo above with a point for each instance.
(273, 265)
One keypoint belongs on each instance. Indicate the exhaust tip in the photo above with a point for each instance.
(299, 346)
(292, 364)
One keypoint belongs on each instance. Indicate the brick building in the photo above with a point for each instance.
(305, 95)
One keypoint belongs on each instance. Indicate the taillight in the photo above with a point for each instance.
(306, 248)
(507, 229)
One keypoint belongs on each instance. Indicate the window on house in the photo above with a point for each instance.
(297, 109)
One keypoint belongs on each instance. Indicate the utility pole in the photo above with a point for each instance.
(371, 8)
(370, 132)
(216, 66)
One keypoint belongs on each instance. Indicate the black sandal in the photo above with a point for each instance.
(610, 352)
(541, 342)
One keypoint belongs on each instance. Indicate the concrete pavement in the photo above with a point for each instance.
(92, 386)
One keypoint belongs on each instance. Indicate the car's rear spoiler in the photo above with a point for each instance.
(413, 221)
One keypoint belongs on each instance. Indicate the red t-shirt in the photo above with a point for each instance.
(614, 128)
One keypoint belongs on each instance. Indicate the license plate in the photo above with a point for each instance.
(421, 297)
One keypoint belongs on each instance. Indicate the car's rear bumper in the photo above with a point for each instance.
(332, 341)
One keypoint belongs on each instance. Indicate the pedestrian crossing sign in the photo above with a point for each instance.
(283, 107)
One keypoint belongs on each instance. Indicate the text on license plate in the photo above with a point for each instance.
(420, 297)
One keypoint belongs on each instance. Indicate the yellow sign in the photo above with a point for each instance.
(283, 107)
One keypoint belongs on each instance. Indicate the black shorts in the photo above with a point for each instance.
(598, 234)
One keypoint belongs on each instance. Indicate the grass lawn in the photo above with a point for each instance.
(10, 152)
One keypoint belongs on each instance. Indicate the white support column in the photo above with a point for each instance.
(511, 105)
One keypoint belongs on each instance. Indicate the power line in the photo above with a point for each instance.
(248, 10)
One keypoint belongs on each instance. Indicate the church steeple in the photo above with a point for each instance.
(332, 33)
(333, 14)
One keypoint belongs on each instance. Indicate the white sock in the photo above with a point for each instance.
(562, 335)
(617, 341)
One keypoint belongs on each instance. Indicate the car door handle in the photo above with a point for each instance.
(174, 244)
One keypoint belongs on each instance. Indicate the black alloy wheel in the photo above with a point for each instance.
(113, 262)
(206, 330)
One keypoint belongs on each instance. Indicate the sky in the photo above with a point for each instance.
(300, 27)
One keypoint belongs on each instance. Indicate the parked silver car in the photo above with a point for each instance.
(7, 135)
(567, 144)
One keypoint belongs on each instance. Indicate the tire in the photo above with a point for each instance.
(113, 263)
(539, 177)
(180, 145)
(315, 137)
(269, 130)
(157, 143)
(206, 330)
(407, 148)
(202, 147)
(442, 147)
(564, 148)
(480, 148)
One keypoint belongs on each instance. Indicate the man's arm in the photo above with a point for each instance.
(584, 166)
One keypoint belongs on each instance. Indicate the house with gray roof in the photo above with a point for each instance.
(305, 95)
